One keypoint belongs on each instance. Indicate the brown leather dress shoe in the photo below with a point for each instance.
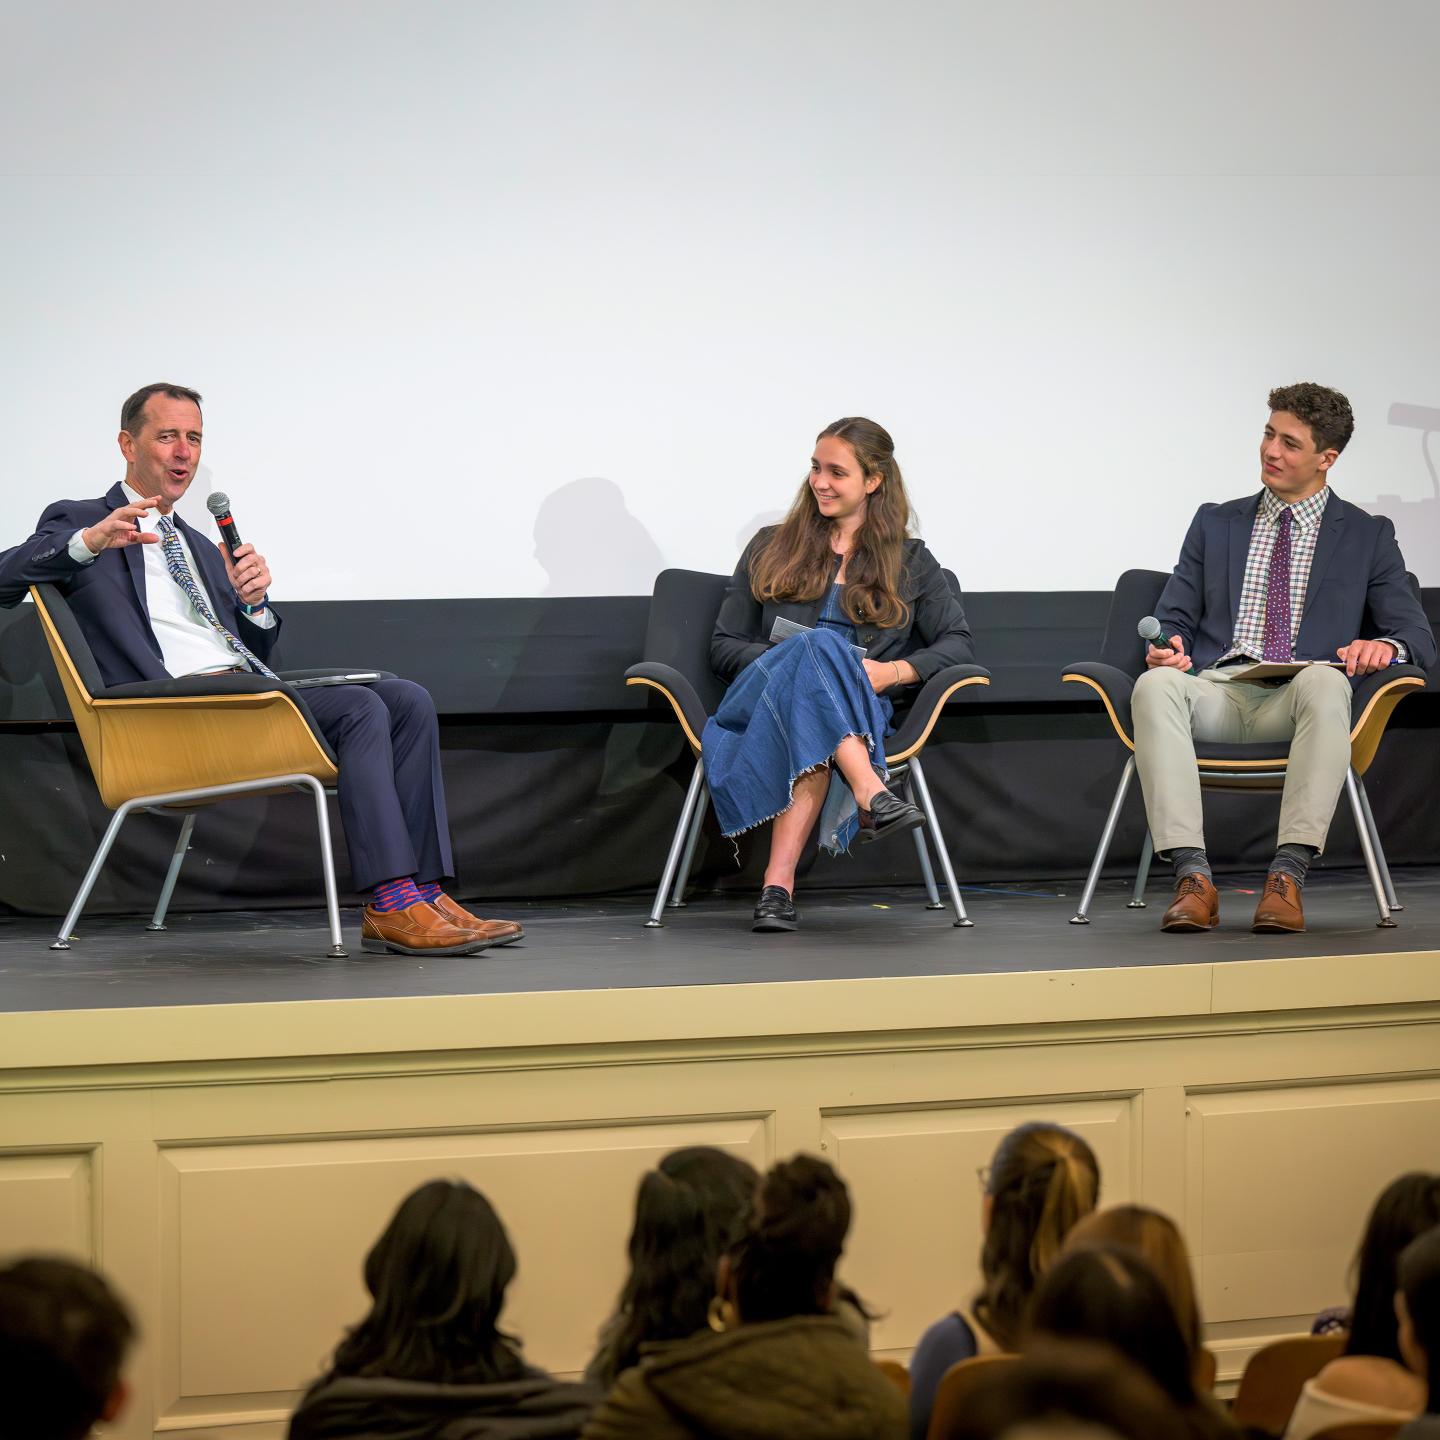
(419, 929)
(1196, 906)
(1279, 911)
(492, 932)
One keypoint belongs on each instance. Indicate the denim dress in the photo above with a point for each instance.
(783, 716)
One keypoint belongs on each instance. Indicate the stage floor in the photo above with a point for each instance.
(248, 958)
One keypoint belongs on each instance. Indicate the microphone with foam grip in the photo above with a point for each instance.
(218, 504)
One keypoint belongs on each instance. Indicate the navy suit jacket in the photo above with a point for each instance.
(107, 596)
(1358, 588)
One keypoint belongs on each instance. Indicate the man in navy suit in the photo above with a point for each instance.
(156, 599)
(1290, 574)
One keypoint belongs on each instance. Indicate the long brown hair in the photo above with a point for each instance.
(1158, 1241)
(1043, 1180)
(797, 563)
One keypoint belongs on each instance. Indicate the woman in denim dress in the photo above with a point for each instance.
(799, 737)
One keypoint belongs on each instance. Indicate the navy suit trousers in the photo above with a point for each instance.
(392, 801)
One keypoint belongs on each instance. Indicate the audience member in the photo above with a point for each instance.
(1042, 1180)
(1417, 1305)
(688, 1211)
(1108, 1293)
(64, 1335)
(1069, 1390)
(429, 1359)
(1157, 1239)
(779, 1364)
(1369, 1382)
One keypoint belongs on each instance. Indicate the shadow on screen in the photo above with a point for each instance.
(1417, 522)
(588, 542)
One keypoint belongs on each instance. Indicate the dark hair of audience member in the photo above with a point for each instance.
(1157, 1239)
(63, 1338)
(1406, 1208)
(1108, 1293)
(688, 1211)
(1064, 1386)
(437, 1278)
(1043, 1179)
(784, 1262)
(1420, 1287)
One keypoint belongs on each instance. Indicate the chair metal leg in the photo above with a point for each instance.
(923, 850)
(672, 860)
(1082, 915)
(1385, 879)
(1352, 787)
(337, 949)
(173, 874)
(1142, 873)
(677, 898)
(917, 772)
(67, 928)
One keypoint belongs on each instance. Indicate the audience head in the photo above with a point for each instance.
(784, 1262)
(1417, 1308)
(64, 1335)
(797, 562)
(1107, 1293)
(1042, 1181)
(688, 1211)
(1067, 1391)
(1407, 1207)
(1156, 1238)
(437, 1277)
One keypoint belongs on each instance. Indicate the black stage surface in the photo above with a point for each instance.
(247, 958)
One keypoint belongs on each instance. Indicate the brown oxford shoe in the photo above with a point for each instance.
(1279, 911)
(492, 932)
(1196, 906)
(418, 929)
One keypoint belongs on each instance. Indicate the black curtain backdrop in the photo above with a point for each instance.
(562, 782)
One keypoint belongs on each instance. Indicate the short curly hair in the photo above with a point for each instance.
(1327, 412)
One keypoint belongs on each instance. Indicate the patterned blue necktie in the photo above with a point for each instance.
(180, 572)
(1276, 636)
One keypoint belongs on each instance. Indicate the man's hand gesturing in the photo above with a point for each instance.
(117, 529)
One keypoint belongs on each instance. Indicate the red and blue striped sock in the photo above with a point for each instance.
(395, 895)
(429, 892)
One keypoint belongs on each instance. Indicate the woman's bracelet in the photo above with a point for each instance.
(898, 679)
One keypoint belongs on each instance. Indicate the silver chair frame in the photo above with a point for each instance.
(159, 803)
(1375, 864)
(686, 839)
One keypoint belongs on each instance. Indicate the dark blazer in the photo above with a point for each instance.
(1358, 589)
(935, 634)
(107, 596)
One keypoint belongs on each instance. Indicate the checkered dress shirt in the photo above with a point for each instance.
(1305, 518)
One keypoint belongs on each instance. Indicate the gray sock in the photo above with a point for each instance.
(1189, 861)
(1294, 861)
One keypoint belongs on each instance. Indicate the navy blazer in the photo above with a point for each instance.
(1358, 588)
(107, 596)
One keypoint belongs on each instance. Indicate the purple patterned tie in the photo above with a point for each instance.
(1276, 643)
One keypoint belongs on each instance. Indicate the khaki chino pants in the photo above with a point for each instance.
(1173, 709)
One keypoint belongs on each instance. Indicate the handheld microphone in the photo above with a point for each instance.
(217, 502)
(1149, 630)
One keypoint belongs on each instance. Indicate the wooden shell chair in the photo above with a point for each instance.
(1253, 766)
(956, 1390)
(683, 608)
(175, 745)
(1275, 1375)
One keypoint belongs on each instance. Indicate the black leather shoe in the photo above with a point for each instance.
(888, 815)
(776, 910)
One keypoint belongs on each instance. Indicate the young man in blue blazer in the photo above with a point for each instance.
(1291, 574)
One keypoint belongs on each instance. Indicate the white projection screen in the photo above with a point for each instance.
(534, 297)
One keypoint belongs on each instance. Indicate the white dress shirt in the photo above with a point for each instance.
(188, 645)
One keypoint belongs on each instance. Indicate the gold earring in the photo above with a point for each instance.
(720, 1316)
